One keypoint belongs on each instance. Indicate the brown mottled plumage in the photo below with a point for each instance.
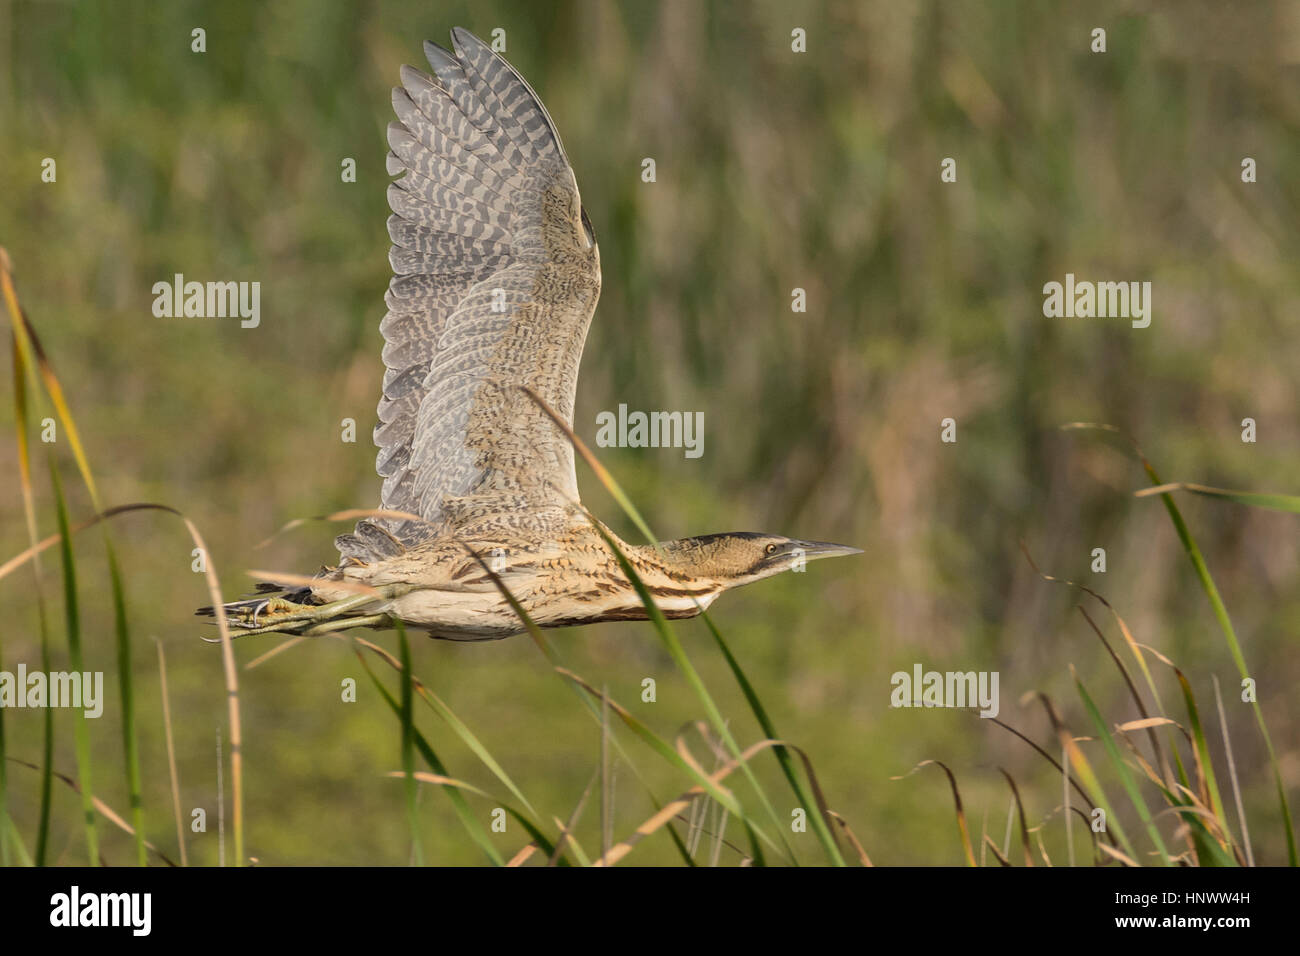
(496, 277)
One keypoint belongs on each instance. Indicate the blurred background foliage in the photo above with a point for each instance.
(775, 170)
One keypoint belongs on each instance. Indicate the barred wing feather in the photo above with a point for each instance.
(496, 277)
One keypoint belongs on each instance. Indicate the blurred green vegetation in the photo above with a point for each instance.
(775, 170)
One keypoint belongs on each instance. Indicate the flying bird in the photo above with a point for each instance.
(496, 277)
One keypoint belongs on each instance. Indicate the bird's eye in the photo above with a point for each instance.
(771, 549)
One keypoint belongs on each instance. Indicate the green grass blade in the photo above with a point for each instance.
(130, 743)
(589, 698)
(1088, 779)
(1208, 846)
(408, 746)
(824, 833)
(1122, 770)
(102, 808)
(1208, 850)
(963, 829)
(1203, 750)
(672, 832)
(47, 768)
(449, 783)
(678, 654)
(458, 726)
(20, 849)
(1234, 648)
(1133, 647)
(29, 355)
(22, 371)
(472, 824)
(476, 746)
(1251, 499)
(670, 754)
(1216, 603)
(81, 731)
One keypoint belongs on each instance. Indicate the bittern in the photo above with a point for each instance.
(496, 277)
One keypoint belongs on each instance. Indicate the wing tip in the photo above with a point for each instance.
(413, 77)
(461, 38)
(440, 56)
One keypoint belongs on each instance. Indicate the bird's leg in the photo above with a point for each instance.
(322, 612)
(342, 624)
(276, 615)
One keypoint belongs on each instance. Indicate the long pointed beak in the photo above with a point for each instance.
(812, 550)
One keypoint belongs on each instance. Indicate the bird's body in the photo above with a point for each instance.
(496, 276)
(570, 578)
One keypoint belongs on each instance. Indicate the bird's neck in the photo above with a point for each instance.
(671, 564)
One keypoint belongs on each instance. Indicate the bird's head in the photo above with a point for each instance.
(742, 557)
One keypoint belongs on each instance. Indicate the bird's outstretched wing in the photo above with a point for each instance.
(496, 276)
